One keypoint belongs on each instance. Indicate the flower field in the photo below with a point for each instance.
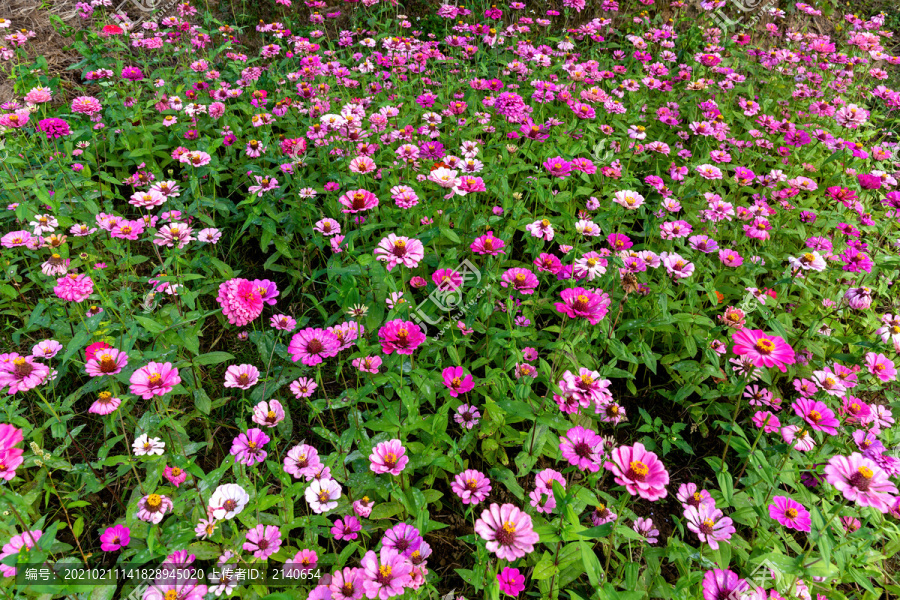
(572, 300)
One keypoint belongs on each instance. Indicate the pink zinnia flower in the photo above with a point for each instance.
(457, 381)
(397, 250)
(400, 336)
(709, 524)
(268, 414)
(358, 200)
(241, 376)
(467, 416)
(645, 528)
(507, 530)
(240, 300)
(247, 448)
(639, 471)
(74, 287)
(367, 364)
(283, 322)
(881, 366)
(446, 279)
(817, 414)
(798, 438)
(579, 302)
(302, 461)
(765, 420)
(689, 495)
(106, 362)
(862, 480)
(175, 475)
(263, 541)
(46, 349)
(388, 579)
(154, 379)
(790, 513)
(310, 346)
(763, 350)
(28, 540)
(303, 387)
(388, 457)
(722, 584)
(471, 486)
(153, 507)
(22, 374)
(346, 584)
(346, 528)
(488, 244)
(104, 404)
(582, 448)
(521, 280)
(115, 538)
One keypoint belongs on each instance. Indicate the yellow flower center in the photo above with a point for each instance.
(765, 345)
(638, 467)
(154, 500)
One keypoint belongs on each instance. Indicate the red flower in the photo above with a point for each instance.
(109, 30)
(91, 350)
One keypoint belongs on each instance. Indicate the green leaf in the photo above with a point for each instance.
(213, 358)
(386, 510)
(591, 564)
(149, 324)
(450, 234)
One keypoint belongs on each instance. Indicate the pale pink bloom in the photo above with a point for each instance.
(241, 376)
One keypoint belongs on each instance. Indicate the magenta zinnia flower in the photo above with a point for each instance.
(488, 244)
(240, 300)
(457, 381)
(114, 538)
(310, 346)
(862, 480)
(817, 414)
(507, 530)
(154, 379)
(400, 336)
(388, 457)
(763, 350)
(521, 280)
(722, 584)
(579, 302)
(582, 448)
(790, 513)
(639, 471)
(512, 582)
(247, 448)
